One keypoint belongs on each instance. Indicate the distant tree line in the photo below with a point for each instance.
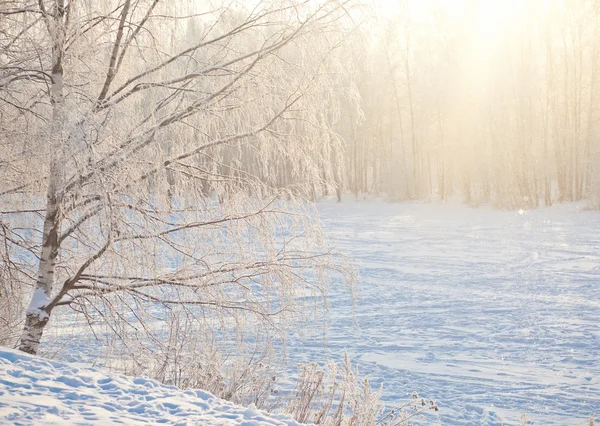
(490, 104)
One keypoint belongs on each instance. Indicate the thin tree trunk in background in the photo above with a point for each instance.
(559, 134)
(416, 183)
(337, 175)
(546, 177)
(429, 175)
(585, 181)
(364, 164)
(440, 154)
(567, 131)
(534, 176)
(467, 189)
(355, 168)
(578, 77)
(400, 122)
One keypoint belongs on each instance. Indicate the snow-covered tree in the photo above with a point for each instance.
(138, 120)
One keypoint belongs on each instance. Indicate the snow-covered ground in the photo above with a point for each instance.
(491, 313)
(35, 391)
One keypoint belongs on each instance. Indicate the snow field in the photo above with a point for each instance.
(491, 313)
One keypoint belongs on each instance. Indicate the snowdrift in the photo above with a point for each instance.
(36, 391)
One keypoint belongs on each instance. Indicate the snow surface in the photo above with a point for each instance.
(35, 391)
(490, 313)
(39, 300)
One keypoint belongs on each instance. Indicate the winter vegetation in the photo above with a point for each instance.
(161, 163)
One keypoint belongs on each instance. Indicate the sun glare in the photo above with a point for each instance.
(491, 17)
(485, 20)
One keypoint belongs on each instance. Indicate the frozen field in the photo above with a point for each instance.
(490, 313)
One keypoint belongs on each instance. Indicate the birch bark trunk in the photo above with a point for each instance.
(38, 312)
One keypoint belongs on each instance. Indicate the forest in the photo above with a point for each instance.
(492, 101)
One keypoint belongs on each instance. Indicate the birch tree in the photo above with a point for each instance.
(142, 114)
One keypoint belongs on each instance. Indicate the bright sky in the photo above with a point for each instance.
(487, 17)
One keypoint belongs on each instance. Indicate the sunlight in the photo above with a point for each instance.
(485, 20)
(491, 17)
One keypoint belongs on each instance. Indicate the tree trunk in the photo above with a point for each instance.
(40, 307)
(39, 310)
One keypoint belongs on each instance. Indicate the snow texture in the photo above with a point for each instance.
(35, 391)
(490, 313)
(38, 302)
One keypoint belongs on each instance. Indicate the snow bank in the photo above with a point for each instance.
(36, 391)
